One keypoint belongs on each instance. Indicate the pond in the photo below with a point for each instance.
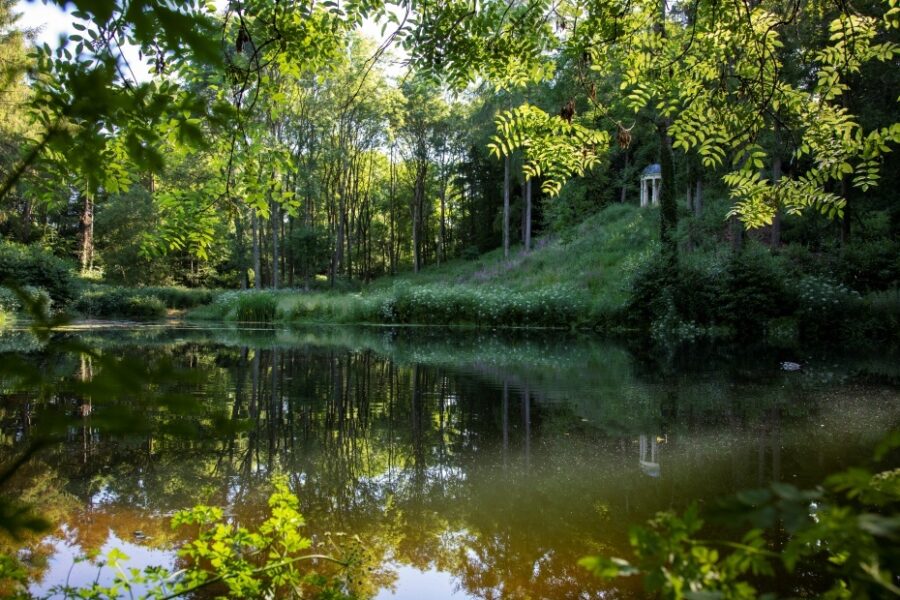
(471, 465)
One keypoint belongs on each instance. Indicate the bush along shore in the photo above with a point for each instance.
(604, 275)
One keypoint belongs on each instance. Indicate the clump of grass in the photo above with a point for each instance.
(331, 308)
(260, 306)
(255, 306)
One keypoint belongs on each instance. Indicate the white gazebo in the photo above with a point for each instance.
(651, 177)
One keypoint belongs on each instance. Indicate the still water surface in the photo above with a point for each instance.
(473, 465)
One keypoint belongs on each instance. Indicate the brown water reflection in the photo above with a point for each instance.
(473, 465)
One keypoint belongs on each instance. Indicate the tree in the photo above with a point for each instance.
(419, 119)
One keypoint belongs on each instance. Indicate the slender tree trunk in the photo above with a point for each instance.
(506, 169)
(257, 261)
(339, 241)
(623, 193)
(290, 255)
(276, 250)
(391, 219)
(415, 233)
(283, 275)
(87, 231)
(528, 216)
(241, 249)
(418, 206)
(442, 250)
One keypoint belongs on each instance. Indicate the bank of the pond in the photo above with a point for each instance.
(605, 275)
(601, 275)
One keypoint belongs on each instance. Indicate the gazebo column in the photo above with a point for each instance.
(655, 191)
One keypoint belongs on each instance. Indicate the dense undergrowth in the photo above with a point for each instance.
(41, 275)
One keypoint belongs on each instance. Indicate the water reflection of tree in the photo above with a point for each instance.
(502, 473)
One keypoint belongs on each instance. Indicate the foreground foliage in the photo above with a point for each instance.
(843, 535)
(273, 559)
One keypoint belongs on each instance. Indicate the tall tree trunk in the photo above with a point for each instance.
(87, 232)
(415, 233)
(276, 254)
(418, 206)
(623, 193)
(339, 241)
(506, 169)
(291, 267)
(348, 218)
(391, 219)
(283, 253)
(442, 250)
(257, 261)
(241, 249)
(528, 216)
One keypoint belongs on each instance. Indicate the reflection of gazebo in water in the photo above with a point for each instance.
(650, 455)
(651, 177)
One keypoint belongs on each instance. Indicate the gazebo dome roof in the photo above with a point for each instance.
(653, 169)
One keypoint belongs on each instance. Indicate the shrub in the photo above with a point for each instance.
(754, 291)
(877, 316)
(645, 303)
(704, 295)
(30, 265)
(11, 303)
(823, 306)
(870, 266)
(698, 290)
(470, 253)
(119, 302)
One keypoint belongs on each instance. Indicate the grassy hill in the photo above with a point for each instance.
(577, 278)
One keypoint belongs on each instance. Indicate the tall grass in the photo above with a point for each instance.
(178, 297)
(244, 306)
